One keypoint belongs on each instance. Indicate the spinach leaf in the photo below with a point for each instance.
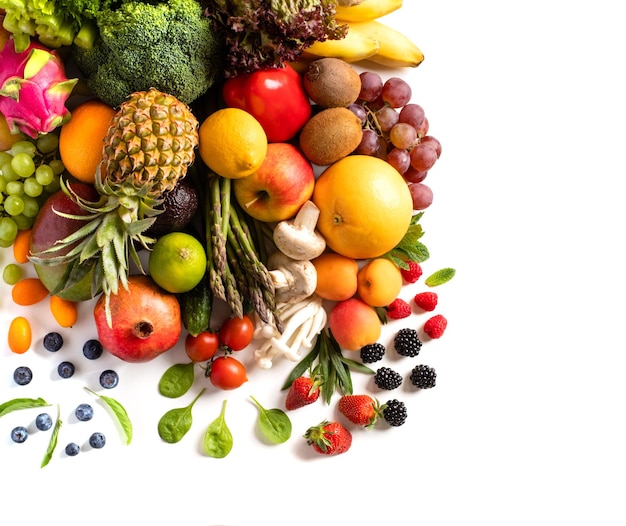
(273, 423)
(119, 412)
(54, 439)
(21, 403)
(218, 440)
(177, 380)
(174, 424)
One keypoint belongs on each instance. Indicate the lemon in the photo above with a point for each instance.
(365, 206)
(177, 262)
(232, 143)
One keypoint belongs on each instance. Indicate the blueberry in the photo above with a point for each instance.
(43, 422)
(72, 449)
(84, 412)
(22, 375)
(19, 434)
(66, 369)
(97, 440)
(109, 379)
(92, 349)
(52, 341)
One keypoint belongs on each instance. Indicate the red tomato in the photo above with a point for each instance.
(202, 347)
(227, 373)
(237, 333)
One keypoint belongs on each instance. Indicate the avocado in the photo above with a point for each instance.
(179, 208)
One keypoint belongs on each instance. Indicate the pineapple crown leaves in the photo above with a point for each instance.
(410, 248)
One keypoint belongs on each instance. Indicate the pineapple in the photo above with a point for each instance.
(147, 150)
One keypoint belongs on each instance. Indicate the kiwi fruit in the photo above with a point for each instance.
(330, 135)
(332, 83)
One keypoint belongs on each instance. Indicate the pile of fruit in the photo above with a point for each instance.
(288, 195)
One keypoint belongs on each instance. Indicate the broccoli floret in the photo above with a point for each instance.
(170, 46)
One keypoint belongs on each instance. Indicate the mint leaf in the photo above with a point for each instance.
(440, 277)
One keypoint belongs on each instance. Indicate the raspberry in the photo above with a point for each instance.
(372, 353)
(407, 343)
(398, 309)
(394, 412)
(413, 273)
(426, 300)
(388, 379)
(435, 326)
(423, 377)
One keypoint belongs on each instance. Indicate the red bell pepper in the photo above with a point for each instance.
(275, 97)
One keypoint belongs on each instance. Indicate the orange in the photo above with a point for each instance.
(379, 282)
(365, 206)
(82, 138)
(336, 276)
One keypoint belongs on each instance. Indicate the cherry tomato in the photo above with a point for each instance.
(237, 333)
(227, 373)
(202, 347)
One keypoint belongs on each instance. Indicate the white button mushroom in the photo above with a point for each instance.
(293, 279)
(297, 238)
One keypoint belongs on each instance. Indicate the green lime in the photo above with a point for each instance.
(177, 262)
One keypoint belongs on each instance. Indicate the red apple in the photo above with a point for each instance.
(146, 321)
(278, 189)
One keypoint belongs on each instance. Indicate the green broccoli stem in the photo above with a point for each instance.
(86, 35)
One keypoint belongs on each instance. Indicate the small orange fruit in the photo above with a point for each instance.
(354, 324)
(20, 335)
(379, 282)
(8, 139)
(365, 206)
(65, 312)
(336, 276)
(81, 139)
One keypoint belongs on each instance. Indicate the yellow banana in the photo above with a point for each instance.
(396, 50)
(353, 47)
(367, 10)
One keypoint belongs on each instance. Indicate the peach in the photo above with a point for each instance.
(336, 276)
(379, 282)
(354, 324)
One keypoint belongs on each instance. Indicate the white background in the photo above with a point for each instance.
(525, 425)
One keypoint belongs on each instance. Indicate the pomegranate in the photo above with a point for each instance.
(146, 321)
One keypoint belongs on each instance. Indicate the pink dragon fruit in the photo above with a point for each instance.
(33, 89)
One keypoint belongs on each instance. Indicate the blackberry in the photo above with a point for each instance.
(52, 341)
(423, 377)
(394, 412)
(22, 375)
(407, 343)
(92, 349)
(66, 369)
(388, 379)
(97, 440)
(372, 353)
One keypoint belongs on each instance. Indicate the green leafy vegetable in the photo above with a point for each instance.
(177, 380)
(175, 424)
(54, 439)
(119, 412)
(273, 423)
(440, 277)
(218, 440)
(21, 403)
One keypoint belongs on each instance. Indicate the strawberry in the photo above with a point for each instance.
(361, 410)
(426, 300)
(329, 438)
(398, 309)
(435, 326)
(413, 273)
(303, 391)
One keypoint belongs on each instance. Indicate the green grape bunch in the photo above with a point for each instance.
(29, 173)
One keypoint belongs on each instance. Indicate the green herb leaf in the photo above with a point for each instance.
(54, 439)
(175, 424)
(301, 367)
(440, 277)
(21, 403)
(177, 380)
(218, 440)
(119, 412)
(410, 248)
(273, 423)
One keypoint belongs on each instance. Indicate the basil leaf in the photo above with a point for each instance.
(21, 403)
(440, 277)
(177, 380)
(218, 440)
(273, 423)
(119, 412)
(174, 424)
(54, 439)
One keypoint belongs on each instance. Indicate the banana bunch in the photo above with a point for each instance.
(369, 38)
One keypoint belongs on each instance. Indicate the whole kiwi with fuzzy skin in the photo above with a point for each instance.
(332, 83)
(330, 135)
